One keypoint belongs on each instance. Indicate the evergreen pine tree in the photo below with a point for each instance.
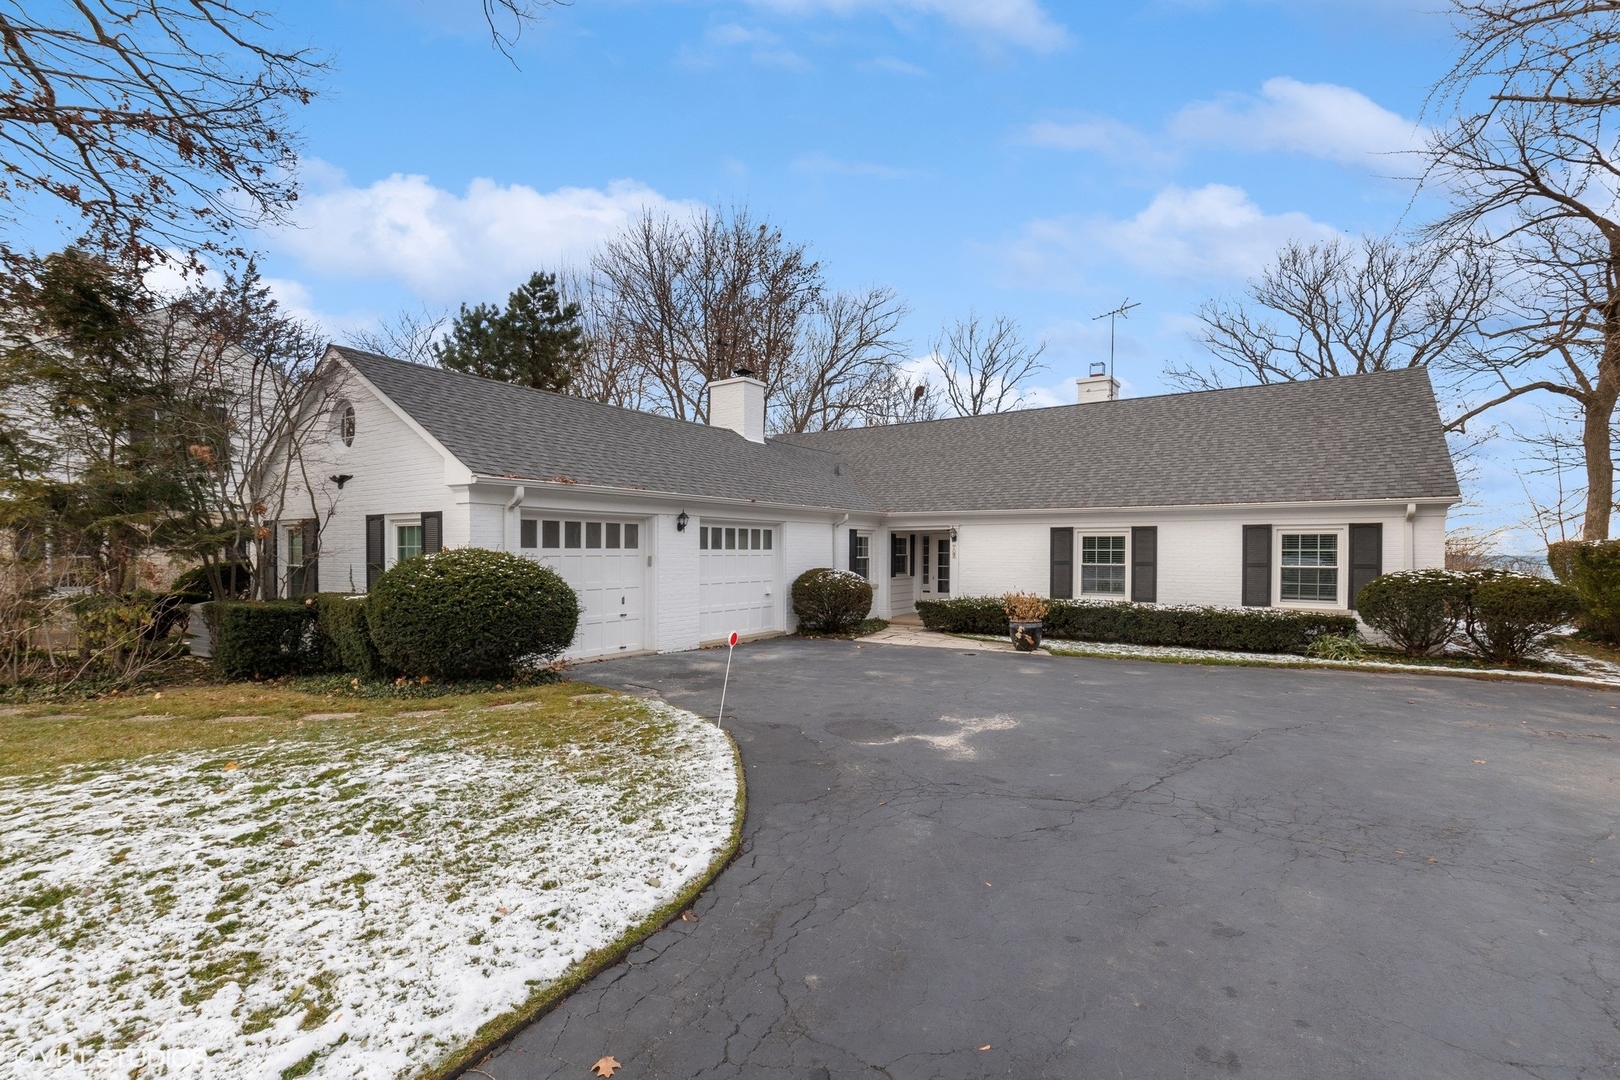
(536, 340)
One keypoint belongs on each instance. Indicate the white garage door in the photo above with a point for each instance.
(736, 580)
(605, 563)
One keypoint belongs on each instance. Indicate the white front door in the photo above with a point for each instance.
(605, 564)
(934, 569)
(737, 587)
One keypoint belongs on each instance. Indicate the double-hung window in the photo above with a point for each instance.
(408, 539)
(860, 554)
(1102, 566)
(1310, 567)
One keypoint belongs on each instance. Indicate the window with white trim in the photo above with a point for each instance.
(1310, 567)
(407, 541)
(1102, 566)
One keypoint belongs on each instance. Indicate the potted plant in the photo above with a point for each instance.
(1024, 614)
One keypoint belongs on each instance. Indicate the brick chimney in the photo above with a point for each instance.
(738, 403)
(1098, 386)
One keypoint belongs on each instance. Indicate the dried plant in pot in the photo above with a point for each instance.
(1024, 614)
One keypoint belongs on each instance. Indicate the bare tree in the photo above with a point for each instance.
(842, 368)
(695, 299)
(982, 364)
(906, 397)
(161, 123)
(410, 335)
(1533, 173)
(1343, 307)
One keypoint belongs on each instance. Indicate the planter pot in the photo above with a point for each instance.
(1026, 636)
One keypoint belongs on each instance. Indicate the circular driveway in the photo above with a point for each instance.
(988, 864)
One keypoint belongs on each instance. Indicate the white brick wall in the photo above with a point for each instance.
(394, 472)
(675, 565)
(806, 545)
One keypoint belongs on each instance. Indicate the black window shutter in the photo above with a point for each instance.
(1257, 566)
(267, 560)
(1145, 564)
(312, 557)
(1062, 564)
(1366, 557)
(375, 556)
(432, 532)
(854, 567)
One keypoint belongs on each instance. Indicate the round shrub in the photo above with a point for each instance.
(1509, 613)
(830, 601)
(1417, 610)
(469, 613)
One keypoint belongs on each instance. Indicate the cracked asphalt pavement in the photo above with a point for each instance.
(974, 865)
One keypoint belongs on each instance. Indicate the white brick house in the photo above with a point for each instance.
(675, 533)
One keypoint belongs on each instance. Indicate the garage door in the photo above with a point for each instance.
(605, 564)
(736, 580)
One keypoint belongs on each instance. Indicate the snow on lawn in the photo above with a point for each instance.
(370, 903)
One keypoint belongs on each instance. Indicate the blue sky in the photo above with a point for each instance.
(1038, 159)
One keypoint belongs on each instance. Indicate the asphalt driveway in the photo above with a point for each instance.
(970, 865)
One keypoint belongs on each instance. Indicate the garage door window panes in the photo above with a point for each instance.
(594, 535)
(1102, 565)
(1310, 567)
(716, 538)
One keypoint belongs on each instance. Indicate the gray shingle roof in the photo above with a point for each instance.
(1375, 436)
(497, 429)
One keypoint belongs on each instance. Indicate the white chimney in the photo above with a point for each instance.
(1098, 386)
(738, 403)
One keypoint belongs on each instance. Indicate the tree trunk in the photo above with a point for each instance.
(1599, 419)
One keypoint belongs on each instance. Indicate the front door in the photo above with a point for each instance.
(934, 565)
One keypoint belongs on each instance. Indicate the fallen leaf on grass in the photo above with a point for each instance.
(606, 1065)
(231, 766)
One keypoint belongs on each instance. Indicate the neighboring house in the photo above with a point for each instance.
(674, 533)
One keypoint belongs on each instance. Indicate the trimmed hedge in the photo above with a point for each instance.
(470, 613)
(1592, 569)
(266, 639)
(1418, 610)
(830, 601)
(1239, 629)
(346, 636)
(1509, 613)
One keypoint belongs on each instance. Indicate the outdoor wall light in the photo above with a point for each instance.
(680, 521)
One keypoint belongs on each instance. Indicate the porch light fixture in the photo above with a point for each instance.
(680, 521)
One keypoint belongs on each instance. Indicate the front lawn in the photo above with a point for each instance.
(296, 883)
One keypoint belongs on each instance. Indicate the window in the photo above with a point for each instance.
(613, 534)
(715, 538)
(731, 540)
(528, 533)
(571, 530)
(1310, 567)
(408, 540)
(860, 554)
(897, 555)
(753, 539)
(632, 535)
(343, 423)
(767, 539)
(593, 534)
(703, 537)
(926, 559)
(942, 569)
(551, 534)
(1102, 565)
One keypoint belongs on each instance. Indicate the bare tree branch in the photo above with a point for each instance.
(982, 365)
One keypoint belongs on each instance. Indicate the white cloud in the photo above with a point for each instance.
(1113, 140)
(894, 65)
(1319, 119)
(1015, 22)
(1215, 231)
(763, 48)
(446, 247)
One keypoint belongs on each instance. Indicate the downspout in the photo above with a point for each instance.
(1411, 536)
(506, 517)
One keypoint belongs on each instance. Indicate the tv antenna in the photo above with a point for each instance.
(1121, 312)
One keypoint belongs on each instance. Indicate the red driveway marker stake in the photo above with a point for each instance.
(731, 646)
